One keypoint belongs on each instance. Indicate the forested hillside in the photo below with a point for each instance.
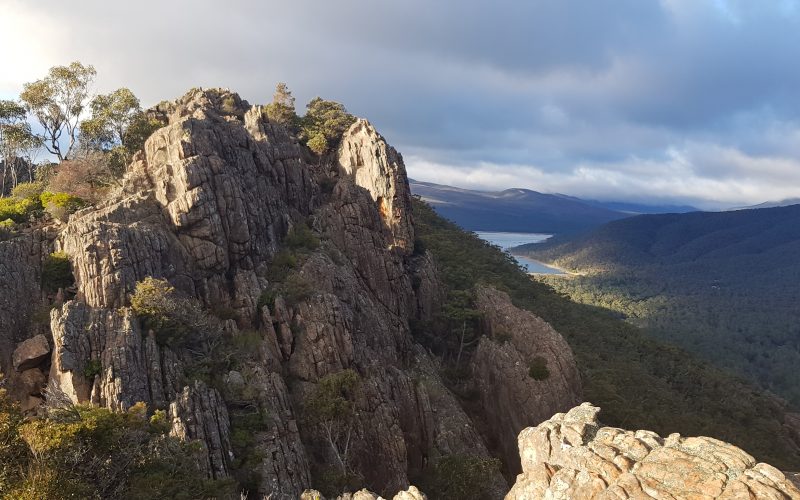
(638, 381)
(722, 285)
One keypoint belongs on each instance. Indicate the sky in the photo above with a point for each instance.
(682, 101)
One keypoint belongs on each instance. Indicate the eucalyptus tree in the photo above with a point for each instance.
(58, 101)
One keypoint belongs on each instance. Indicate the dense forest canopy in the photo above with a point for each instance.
(722, 285)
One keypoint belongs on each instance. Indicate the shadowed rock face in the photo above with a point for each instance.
(571, 456)
(20, 290)
(511, 397)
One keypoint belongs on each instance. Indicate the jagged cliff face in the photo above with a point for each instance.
(513, 399)
(23, 310)
(206, 206)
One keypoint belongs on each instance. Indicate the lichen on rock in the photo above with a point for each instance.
(571, 456)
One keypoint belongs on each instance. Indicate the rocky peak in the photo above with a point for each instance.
(206, 203)
(571, 456)
(366, 158)
(207, 206)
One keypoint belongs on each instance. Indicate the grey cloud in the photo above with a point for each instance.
(593, 98)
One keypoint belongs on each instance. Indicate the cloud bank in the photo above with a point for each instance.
(685, 100)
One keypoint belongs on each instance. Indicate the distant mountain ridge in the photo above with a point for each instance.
(513, 210)
(641, 209)
(772, 204)
(525, 210)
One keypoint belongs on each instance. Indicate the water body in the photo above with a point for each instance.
(508, 240)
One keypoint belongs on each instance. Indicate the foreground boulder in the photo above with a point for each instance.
(412, 493)
(570, 456)
(31, 353)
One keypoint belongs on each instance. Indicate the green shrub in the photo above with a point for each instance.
(228, 106)
(61, 205)
(93, 367)
(6, 228)
(332, 398)
(460, 477)
(57, 272)
(282, 264)
(89, 452)
(28, 191)
(246, 341)
(175, 319)
(318, 144)
(301, 238)
(18, 210)
(537, 368)
(267, 298)
(330, 481)
(327, 118)
(296, 289)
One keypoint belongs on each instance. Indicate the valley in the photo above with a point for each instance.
(509, 240)
(721, 285)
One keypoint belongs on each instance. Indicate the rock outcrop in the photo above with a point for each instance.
(31, 353)
(20, 291)
(512, 396)
(378, 167)
(207, 206)
(571, 456)
(412, 493)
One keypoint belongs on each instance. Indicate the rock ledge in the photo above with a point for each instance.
(570, 456)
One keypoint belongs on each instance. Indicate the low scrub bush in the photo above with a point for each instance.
(296, 289)
(56, 272)
(301, 238)
(175, 319)
(92, 368)
(18, 210)
(6, 228)
(460, 477)
(537, 369)
(61, 205)
(282, 264)
(89, 452)
(28, 191)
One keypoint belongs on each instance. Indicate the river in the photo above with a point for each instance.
(508, 240)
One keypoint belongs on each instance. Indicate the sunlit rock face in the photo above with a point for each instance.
(365, 157)
(571, 456)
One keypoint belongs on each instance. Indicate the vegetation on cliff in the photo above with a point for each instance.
(88, 452)
(638, 381)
